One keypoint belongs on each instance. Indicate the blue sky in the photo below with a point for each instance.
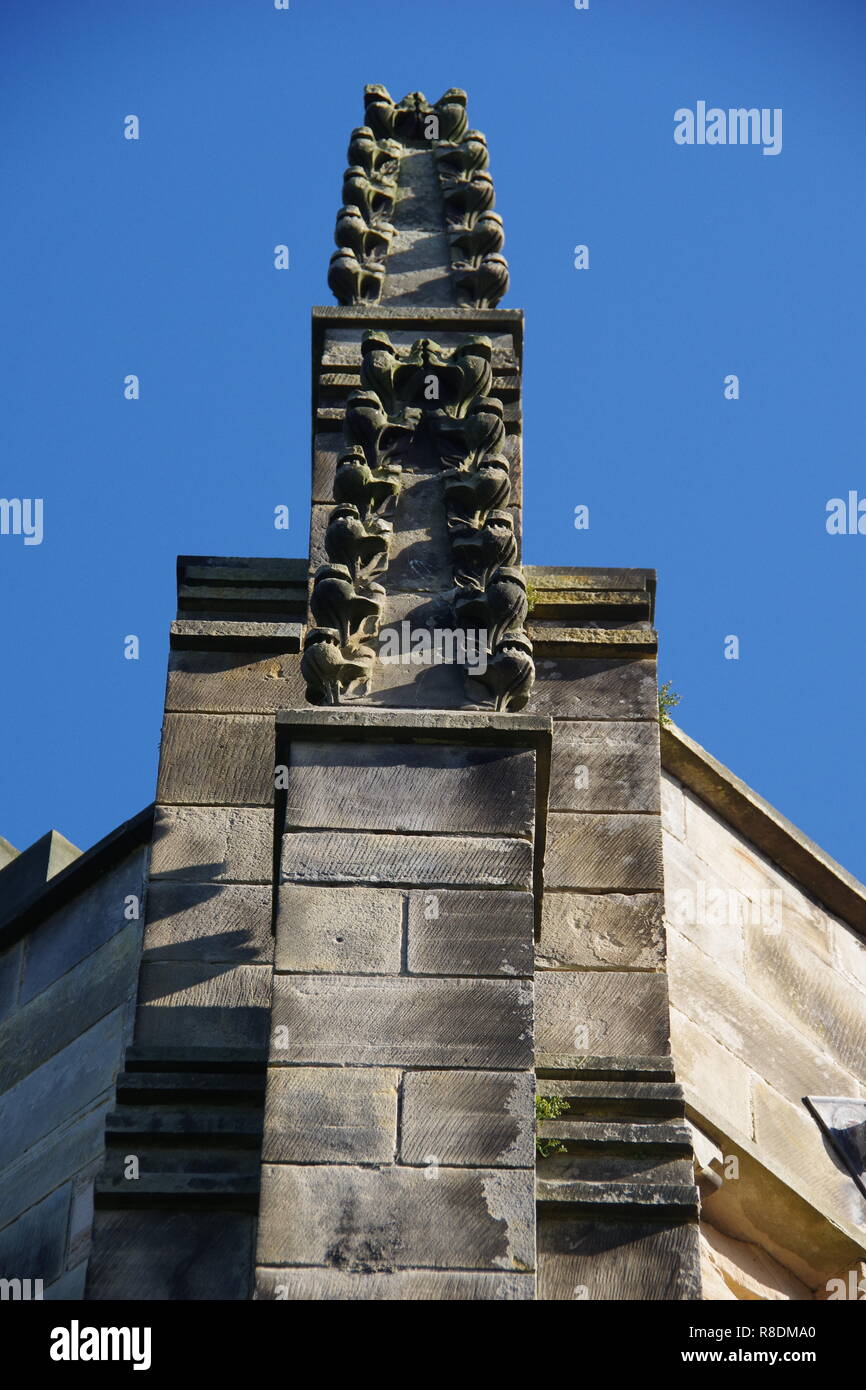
(156, 257)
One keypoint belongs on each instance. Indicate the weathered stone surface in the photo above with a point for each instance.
(330, 1115)
(212, 844)
(404, 685)
(850, 953)
(57, 1157)
(69, 1287)
(191, 634)
(208, 922)
(216, 760)
(240, 681)
(408, 1022)
(67, 1083)
(600, 930)
(746, 1025)
(702, 906)
(605, 765)
(622, 852)
(202, 1005)
(10, 973)
(767, 896)
(737, 1269)
(67, 1008)
(673, 806)
(622, 1260)
(601, 1013)
(812, 996)
(470, 933)
(329, 1285)
(34, 1246)
(595, 689)
(376, 1220)
(418, 263)
(347, 857)
(607, 1168)
(714, 1078)
(790, 1142)
(410, 788)
(177, 1255)
(475, 1119)
(339, 929)
(81, 926)
(419, 557)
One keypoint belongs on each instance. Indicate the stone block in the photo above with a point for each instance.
(626, 1260)
(82, 925)
(429, 1285)
(738, 1269)
(790, 1144)
(203, 1005)
(388, 1021)
(673, 806)
(192, 634)
(226, 922)
(69, 1288)
(746, 1024)
(330, 1115)
(605, 765)
(34, 1246)
(621, 852)
(815, 998)
(705, 908)
(244, 682)
(602, 930)
(59, 1014)
(402, 684)
(177, 1255)
(343, 930)
(58, 1156)
(735, 860)
(81, 1217)
(411, 788)
(71, 1080)
(850, 952)
(601, 1013)
(715, 1079)
(476, 1119)
(432, 860)
(212, 844)
(10, 972)
(576, 688)
(350, 1218)
(470, 933)
(216, 760)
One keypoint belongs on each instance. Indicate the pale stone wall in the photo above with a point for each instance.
(768, 1005)
(66, 1011)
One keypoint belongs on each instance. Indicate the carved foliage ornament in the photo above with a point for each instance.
(363, 232)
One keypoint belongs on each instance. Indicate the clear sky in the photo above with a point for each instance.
(155, 257)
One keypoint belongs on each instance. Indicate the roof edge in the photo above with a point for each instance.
(792, 851)
(79, 875)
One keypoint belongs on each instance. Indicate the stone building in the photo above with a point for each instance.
(420, 851)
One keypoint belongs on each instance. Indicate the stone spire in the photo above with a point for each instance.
(416, 483)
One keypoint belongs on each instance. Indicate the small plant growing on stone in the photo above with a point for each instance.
(667, 699)
(549, 1108)
(530, 596)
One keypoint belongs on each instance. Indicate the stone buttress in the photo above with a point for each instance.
(407, 841)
